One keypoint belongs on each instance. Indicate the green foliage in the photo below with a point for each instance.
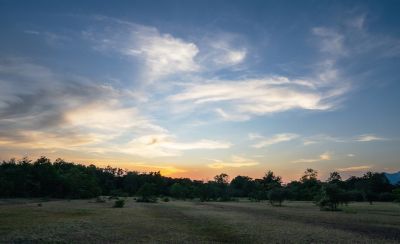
(258, 195)
(147, 193)
(59, 179)
(165, 199)
(331, 197)
(386, 197)
(180, 191)
(396, 194)
(276, 196)
(270, 181)
(100, 200)
(242, 186)
(119, 203)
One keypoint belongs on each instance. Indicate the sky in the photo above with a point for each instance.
(197, 88)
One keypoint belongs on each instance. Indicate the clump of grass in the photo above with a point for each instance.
(100, 200)
(119, 203)
(165, 199)
(39, 204)
(150, 199)
(350, 211)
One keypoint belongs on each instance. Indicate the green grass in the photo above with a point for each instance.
(82, 221)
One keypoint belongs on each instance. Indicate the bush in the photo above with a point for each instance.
(165, 199)
(100, 200)
(355, 196)
(276, 196)
(118, 193)
(119, 203)
(147, 193)
(150, 199)
(396, 193)
(257, 196)
(386, 197)
(330, 198)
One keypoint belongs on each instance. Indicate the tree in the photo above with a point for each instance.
(179, 191)
(334, 177)
(222, 179)
(396, 193)
(309, 175)
(277, 195)
(271, 181)
(242, 186)
(147, 193)
(331, 197)
(309, 186)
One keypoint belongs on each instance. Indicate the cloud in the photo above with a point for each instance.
(245, 98)
(221, 51)
(166, 145)
(278, 138)
(327, 138)
(159, 54)
(355, 168)
(323, 157)
(332, 42)
(321, 138)
(163, 53)
(231, 117)
(350, 155)
(369, 138)
(235, 162)
(72, 113)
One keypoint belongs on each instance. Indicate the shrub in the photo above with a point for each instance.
(355, 196)
(386, 197)
(119, 203)
(396, 193)
(165, 199)
(257, 196)
(118, 193)
(151, 199)
(276, 196)
(100, 200)
(330, 198)
(147, 193)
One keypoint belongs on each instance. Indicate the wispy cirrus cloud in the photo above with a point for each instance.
(275, 139)
(322, 138)
(355, 168)
(235, 162)
(332, 42)
(166, 145)
(251, 97)
(315, 139)
(323, 157)
(369, 138)
(220, 51)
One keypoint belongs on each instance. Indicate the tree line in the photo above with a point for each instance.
(60, 179)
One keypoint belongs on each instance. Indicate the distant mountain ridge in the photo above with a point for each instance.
(394, 178)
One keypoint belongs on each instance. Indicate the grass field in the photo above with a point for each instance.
(190, 221)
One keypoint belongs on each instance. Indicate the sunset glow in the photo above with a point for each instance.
(196, 88)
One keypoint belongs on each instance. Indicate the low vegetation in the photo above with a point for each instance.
(60, 179)
(192, 221)
(119, 203)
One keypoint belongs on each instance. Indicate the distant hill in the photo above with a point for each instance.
(393, 178)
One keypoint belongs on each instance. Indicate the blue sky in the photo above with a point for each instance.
(194, 88)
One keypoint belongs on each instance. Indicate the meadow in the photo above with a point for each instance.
(82, 221)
